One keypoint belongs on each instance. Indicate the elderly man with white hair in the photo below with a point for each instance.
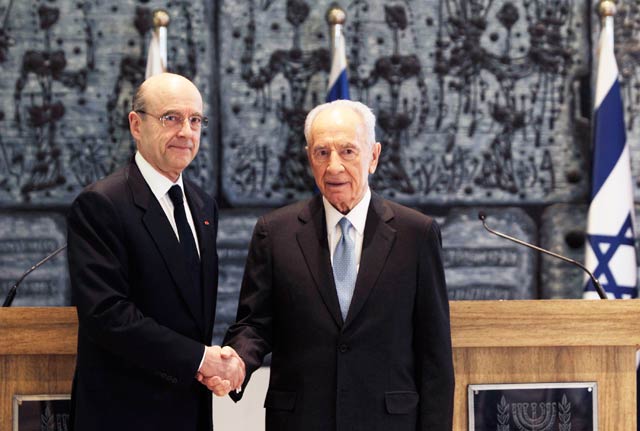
(347, 291)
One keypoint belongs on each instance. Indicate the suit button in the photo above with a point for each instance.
(343, 348)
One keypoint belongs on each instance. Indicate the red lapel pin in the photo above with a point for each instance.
(206, 222)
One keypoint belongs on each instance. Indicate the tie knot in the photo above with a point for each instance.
(345, 224)
(175, 194)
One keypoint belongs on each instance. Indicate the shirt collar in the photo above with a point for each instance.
(357, 216)
(158, 183)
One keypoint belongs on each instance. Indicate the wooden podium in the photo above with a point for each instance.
(549, 341)
(493, 341)
(37, 354)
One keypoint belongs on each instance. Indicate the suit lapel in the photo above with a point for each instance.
(378, 240)
(155, 220)
(312, 240)
(205, 225)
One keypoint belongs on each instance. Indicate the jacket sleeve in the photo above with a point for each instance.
(101, 291)
(251, 335)
(432, 342)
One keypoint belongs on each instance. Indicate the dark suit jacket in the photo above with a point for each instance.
(139, 342)
(389, 365)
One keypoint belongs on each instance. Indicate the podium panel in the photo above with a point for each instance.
(539, 341)
(37, 354)
(549, 342)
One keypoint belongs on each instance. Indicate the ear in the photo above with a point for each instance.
(375, 157)
(135, 122)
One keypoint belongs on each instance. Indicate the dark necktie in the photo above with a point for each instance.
(187, 244)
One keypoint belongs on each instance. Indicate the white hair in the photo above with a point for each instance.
(368, 119)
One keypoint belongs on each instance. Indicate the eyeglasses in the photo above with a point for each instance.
(174, 121)
(322, 155)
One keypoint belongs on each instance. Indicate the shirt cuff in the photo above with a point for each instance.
(204, 353)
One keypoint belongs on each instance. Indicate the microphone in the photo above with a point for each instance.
(601, 293)
(12, 292)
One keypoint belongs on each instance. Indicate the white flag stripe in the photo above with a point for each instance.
(608, 208)
(162, 44)
(607, 66)
(157, 53)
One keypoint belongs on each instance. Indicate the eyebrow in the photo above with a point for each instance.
(347, 144)
(338, 145)
(175, 111)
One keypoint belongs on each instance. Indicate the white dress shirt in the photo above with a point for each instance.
(160, 186)
(357, 217)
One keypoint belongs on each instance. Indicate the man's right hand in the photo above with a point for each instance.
(222, 370)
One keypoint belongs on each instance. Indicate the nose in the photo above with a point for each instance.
(335, 163)
(185, 129)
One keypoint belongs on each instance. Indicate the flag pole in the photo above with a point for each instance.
(157, 55)
(338, 87)
(161, 21)
(607, 8)
(336, 17)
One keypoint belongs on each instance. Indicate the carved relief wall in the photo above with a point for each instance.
(474, 103)
(68, 72)
(480, 105)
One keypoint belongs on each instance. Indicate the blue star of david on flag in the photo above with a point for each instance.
(610, 252)
(605, 248)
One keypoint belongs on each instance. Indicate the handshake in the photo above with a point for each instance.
(222, 370)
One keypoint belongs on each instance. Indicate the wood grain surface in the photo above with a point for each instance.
(493, 342)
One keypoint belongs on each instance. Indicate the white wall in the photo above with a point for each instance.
(248, 413)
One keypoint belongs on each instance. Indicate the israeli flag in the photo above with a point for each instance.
(338, 87)
(610, 252)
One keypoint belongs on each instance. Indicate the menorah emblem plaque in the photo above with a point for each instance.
(534, 407)
(534, 416)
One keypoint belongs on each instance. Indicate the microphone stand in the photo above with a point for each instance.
(601, 293)
(12, 292)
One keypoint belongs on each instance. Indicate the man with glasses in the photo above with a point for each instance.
(144, 268)
(347, 291)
